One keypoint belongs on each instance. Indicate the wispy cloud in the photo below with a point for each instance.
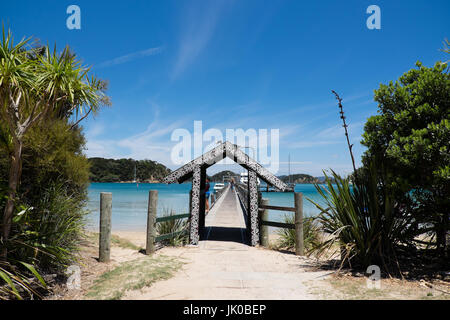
(311, 144)
(198, 29)
(152, 143)
(337, 131)
(131, 56)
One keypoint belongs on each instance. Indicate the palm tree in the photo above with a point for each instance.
(36, 84)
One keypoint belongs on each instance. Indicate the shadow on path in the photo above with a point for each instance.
(228, 234)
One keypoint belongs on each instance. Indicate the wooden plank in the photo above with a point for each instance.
(277, 208)
(174, 217)
(170, 235)
(278, 224)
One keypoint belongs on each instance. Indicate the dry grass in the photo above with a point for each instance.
(115, 241)
(112, 280)
(132, 275)
(349, 287)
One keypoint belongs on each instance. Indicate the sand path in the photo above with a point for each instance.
(222, 266)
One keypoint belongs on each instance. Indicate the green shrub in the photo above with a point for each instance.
(49, 211)
(171, 226)
(54, 227)
(54, 184)
(18, 279)
(365, 219)
(410, 136)
(311, 234)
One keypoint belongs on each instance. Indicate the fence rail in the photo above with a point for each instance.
(215, 196)
(172, 217)
(152, 220)
(278, 224)
(170, 235)
(276, 208)
(297, 226)
(242, 192)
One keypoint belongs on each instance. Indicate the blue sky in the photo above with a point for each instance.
(238, 64)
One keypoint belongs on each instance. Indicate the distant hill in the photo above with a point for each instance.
(122, 170)
(295, 178)
(321, 179)
(218, 177)
(299, 178)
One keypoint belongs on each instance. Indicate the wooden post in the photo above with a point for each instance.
(151, 221)
(264, 230)
(104, 247)
(299, 247)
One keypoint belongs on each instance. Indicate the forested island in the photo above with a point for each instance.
(218, 177)
(294, 178)
(123, 170)
(299, 178)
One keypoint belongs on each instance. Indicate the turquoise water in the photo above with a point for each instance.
(129, 204)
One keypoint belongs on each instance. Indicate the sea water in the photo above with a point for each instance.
(130, 202)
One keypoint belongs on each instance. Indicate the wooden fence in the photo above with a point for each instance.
(152, 220)
(264, 208)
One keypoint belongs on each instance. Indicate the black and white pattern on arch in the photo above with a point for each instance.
(195, 206)
(253, 208)
(232, 151)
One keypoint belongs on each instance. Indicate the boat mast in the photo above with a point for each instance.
(289, 167)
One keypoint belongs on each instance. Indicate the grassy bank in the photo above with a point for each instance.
(132, 275)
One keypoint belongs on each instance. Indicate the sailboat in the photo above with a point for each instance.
(291, 185)
(135, 181)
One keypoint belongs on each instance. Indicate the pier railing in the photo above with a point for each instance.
(242, 192)
(217, 194)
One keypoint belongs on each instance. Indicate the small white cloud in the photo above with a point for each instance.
(130, 57)
(198, 29)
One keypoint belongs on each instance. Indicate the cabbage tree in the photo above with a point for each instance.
(37, 83)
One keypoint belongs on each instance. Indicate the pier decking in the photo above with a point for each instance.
(225, 222)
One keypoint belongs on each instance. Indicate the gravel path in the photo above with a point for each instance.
(223, 266)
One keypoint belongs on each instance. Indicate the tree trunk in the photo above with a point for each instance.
(14, 177)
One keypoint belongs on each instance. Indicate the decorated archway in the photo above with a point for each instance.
(196, 169)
